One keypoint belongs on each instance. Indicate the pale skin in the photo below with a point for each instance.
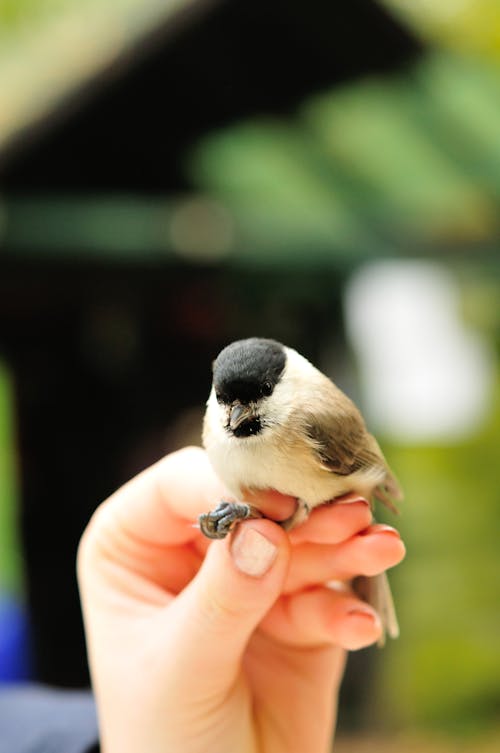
(222, 646)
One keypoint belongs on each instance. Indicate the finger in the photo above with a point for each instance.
(322, 616)
(211, 621)
(271, 503)
(161, 505)
(370, 552)
(334, 522)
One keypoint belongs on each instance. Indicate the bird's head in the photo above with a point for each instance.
(245, 375)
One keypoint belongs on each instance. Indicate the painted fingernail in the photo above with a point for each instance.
(252, 553)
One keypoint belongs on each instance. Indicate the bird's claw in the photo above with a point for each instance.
(217, 523)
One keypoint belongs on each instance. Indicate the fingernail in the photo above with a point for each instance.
(366, 613)
(338, 585)
(252, 553)
(379, 528)
(349, 499)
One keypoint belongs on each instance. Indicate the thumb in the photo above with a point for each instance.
(214, 617)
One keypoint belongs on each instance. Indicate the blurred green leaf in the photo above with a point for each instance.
(10, 557)
(445, 669)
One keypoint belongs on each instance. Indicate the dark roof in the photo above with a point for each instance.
(235, 59)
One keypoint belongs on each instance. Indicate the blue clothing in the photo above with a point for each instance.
(37, 719)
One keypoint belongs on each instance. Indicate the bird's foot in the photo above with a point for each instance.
(217, 523)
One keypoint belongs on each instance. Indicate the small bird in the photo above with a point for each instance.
(274, 421)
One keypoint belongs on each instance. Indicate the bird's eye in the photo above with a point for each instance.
(267, 388)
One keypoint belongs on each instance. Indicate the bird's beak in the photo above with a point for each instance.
(238, 414)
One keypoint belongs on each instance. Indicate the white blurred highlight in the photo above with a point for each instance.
(424, 375)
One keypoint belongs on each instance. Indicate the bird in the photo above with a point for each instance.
(274, 421)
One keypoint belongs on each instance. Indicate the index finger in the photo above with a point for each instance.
(334, 521)
(160, 505)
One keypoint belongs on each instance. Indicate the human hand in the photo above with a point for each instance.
(223, 646)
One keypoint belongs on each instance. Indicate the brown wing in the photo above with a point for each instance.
(343, 445)
(337, 431)
(389, 491)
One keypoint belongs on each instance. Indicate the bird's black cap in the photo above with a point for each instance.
(248, 370)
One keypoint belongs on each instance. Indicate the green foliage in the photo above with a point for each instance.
(445, 669)
(17, 13)
(9, 549)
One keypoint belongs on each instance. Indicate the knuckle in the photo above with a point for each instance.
(216, 607)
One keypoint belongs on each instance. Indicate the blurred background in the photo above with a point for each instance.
(175, 174)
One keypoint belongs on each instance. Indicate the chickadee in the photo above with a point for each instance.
(273, 421)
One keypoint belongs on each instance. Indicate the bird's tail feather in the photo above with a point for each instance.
(377, 592)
